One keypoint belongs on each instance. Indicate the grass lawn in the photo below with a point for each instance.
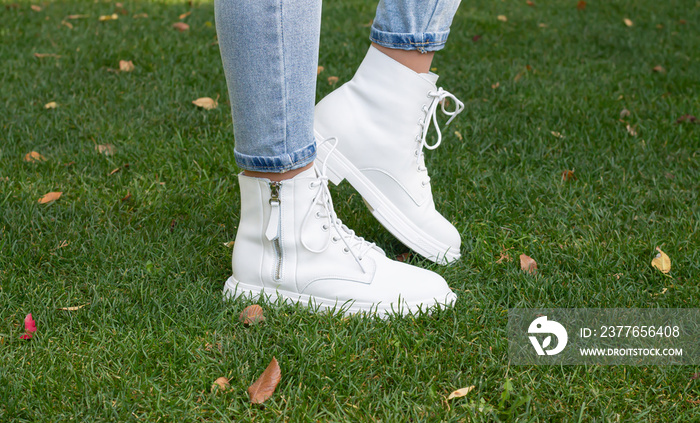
(142, 248)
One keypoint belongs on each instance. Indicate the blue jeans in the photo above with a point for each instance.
(269, 49)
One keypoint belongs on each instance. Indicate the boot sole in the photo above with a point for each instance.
(390, 216)
(234, 289)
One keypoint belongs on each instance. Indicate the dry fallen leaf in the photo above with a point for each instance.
(530, 3)
(659, 69)
(459, 135)
(111, 17)
(502, 18)
(68, 24)
(205, 103)
(496, 85)
(628, 22)
(403, 257)
(126, 65)
(460, 392)
(542, 25)
(181, 26)
(528, 264)
(581, 5)
(42, 55)
(568, 175)
(50, 105)
(557, 134)
(184, 15)
(632, 130)
(51, 196)
(106, 149)
(661, 261)
(687, 118)
(220, 384)
(264, 387)
(140, 15)
(36, 8)
(74, 308)
(126, 197)
(71, 17)
(229, 244)
(34, 157)
(115, 170)
(332, 80)
(624, 113)
(319, 70)
(252, 314)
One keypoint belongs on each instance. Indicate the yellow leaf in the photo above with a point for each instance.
(206, 103)
(502, 18)
(36, 8)
(628, 22)
(75, 308)
(50, 105)
(319, 70)
(229, 244)
(181, 26)
(460, 392)
(126, 65)
(111, 17)
(264, 387)
(51, 196)
(184, 15)
(106, 149)
(68, 24)
(332, 80)
(42, 55)
(458, 135)
(661, 261)
(34, 157)
(557, 134)
(76, 16)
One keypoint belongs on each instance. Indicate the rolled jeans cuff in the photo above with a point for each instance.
(277, 164)
(423, 42)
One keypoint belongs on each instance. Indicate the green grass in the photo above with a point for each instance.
(154, 333)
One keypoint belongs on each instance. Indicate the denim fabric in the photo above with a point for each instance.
(269, 49)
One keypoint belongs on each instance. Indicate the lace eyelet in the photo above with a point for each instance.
(324, 228)
(318, 215)
(335, 240)
(415, 153)
(345, 250)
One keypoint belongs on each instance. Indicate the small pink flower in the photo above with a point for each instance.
(29, 327)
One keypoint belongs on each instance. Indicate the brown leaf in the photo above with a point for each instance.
(319, 70)
(687, 118)
(264, 387)
(624, 113)
(682, 22)
(184, 15)
(206, 103)
(502, 18)
(33, 156)
(68, 24)
(126, 65)
(51, 196)
(111, 17)
(106, 149)
(252, 314)
(659, 69)
(332, 80)
(581, 5)
(64, 243)
(115, 170)
(42, 55)
(36, 8)
(632, 130)
(220, 384)
(557, 134)
(229, 244)
(530, 3)
(527, 264)
(403, 257)
(460, 392)
(71, 17)
(127, 196)
(628, 22)
(661, 261)
(50, 105)
(181, 26)
(568, 175)
(496, 85)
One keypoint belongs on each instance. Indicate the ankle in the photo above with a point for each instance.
(412, 59)
(277, 177)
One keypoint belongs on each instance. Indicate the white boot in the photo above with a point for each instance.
(290, 244)
(381, 118)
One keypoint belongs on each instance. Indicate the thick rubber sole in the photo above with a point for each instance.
(390, 216)
(234, 289)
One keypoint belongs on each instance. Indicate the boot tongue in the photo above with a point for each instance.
(430, 77)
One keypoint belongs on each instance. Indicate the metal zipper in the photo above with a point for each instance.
(272, 232)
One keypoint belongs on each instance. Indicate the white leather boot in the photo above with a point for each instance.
(381, 118)
(291, 244)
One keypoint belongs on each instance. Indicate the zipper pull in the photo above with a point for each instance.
(272, 231)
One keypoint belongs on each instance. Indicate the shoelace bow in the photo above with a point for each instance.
(438, 98)
(323, 198)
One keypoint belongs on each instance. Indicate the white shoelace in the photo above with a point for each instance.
(438, 98)
(355, 245)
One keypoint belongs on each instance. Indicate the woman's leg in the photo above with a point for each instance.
(270, 53)
(290, 243)
(381, 119)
